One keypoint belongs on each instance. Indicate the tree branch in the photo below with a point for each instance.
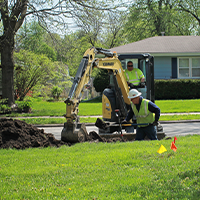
(22, 16)
(190, 12)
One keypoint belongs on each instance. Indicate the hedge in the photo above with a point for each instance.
(177, 89)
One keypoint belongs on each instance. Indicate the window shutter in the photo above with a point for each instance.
(174, 67)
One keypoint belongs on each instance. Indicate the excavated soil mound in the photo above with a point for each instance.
(20, 135)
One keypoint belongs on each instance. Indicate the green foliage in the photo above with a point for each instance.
(34, 71)
(60, 74)
(114, 34)
(48, 51)
(131, 170)
(31, 36)
(34, 40)
(94, 100)
(191, 9)
(30, 70)
(25, 106)
(1, 29)
(101, 81)
(151, 18)
(56, 92)
(69, 49)
(177, 89)
(4, 106)
(73, 48)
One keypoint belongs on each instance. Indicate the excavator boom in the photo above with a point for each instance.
(73, 131)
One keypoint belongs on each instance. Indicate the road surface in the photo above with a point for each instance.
(170, 129)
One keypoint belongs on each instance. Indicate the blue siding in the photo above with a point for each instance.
(162, 68)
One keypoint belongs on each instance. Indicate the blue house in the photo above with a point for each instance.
(175, 57)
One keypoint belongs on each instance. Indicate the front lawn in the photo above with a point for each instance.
(132, 170)
(58, 109)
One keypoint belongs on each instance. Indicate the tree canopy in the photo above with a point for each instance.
(50, 14)
(160, 17)
(99, 23)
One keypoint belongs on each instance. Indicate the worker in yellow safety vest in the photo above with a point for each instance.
(147, 115)
(134, 76)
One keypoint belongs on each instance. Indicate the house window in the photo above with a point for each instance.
(196, 67)
(189, 67)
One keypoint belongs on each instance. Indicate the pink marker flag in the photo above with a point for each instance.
(175, 139)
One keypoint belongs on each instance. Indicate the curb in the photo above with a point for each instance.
(99, 116)
(93, 124)
(59, 125)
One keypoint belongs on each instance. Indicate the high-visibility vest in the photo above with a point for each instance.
(144, 115)
(134, 76)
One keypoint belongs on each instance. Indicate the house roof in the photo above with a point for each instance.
(162, 45)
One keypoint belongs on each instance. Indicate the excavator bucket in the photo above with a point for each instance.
(74, 133)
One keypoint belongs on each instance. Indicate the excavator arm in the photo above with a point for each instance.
(80, 80)
(74, 131)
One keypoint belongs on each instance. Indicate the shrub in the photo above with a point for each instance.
(24, 106)
(4, 106)
(177, 89)
(56, 92)
(101, 81)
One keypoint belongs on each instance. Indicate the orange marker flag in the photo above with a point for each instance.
(173, 146)
(175, 139)
(161, 149)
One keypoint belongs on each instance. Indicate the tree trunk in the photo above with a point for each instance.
(12, 15)
(7, 64)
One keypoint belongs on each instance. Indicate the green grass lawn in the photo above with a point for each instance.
(132, 170)
(179, 106)
(58, 108)
(62, 120)
(44, 108)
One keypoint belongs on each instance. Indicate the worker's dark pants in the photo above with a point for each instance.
(149, 131)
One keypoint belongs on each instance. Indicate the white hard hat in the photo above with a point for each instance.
(133, 93)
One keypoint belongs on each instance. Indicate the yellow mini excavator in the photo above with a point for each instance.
(115, 101)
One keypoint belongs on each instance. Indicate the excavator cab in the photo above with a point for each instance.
(144, 62)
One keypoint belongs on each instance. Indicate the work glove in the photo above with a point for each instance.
(131, 86)
(142, 84)
(124, 122)
(155, 123)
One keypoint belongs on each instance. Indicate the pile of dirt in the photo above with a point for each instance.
(20, 135)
